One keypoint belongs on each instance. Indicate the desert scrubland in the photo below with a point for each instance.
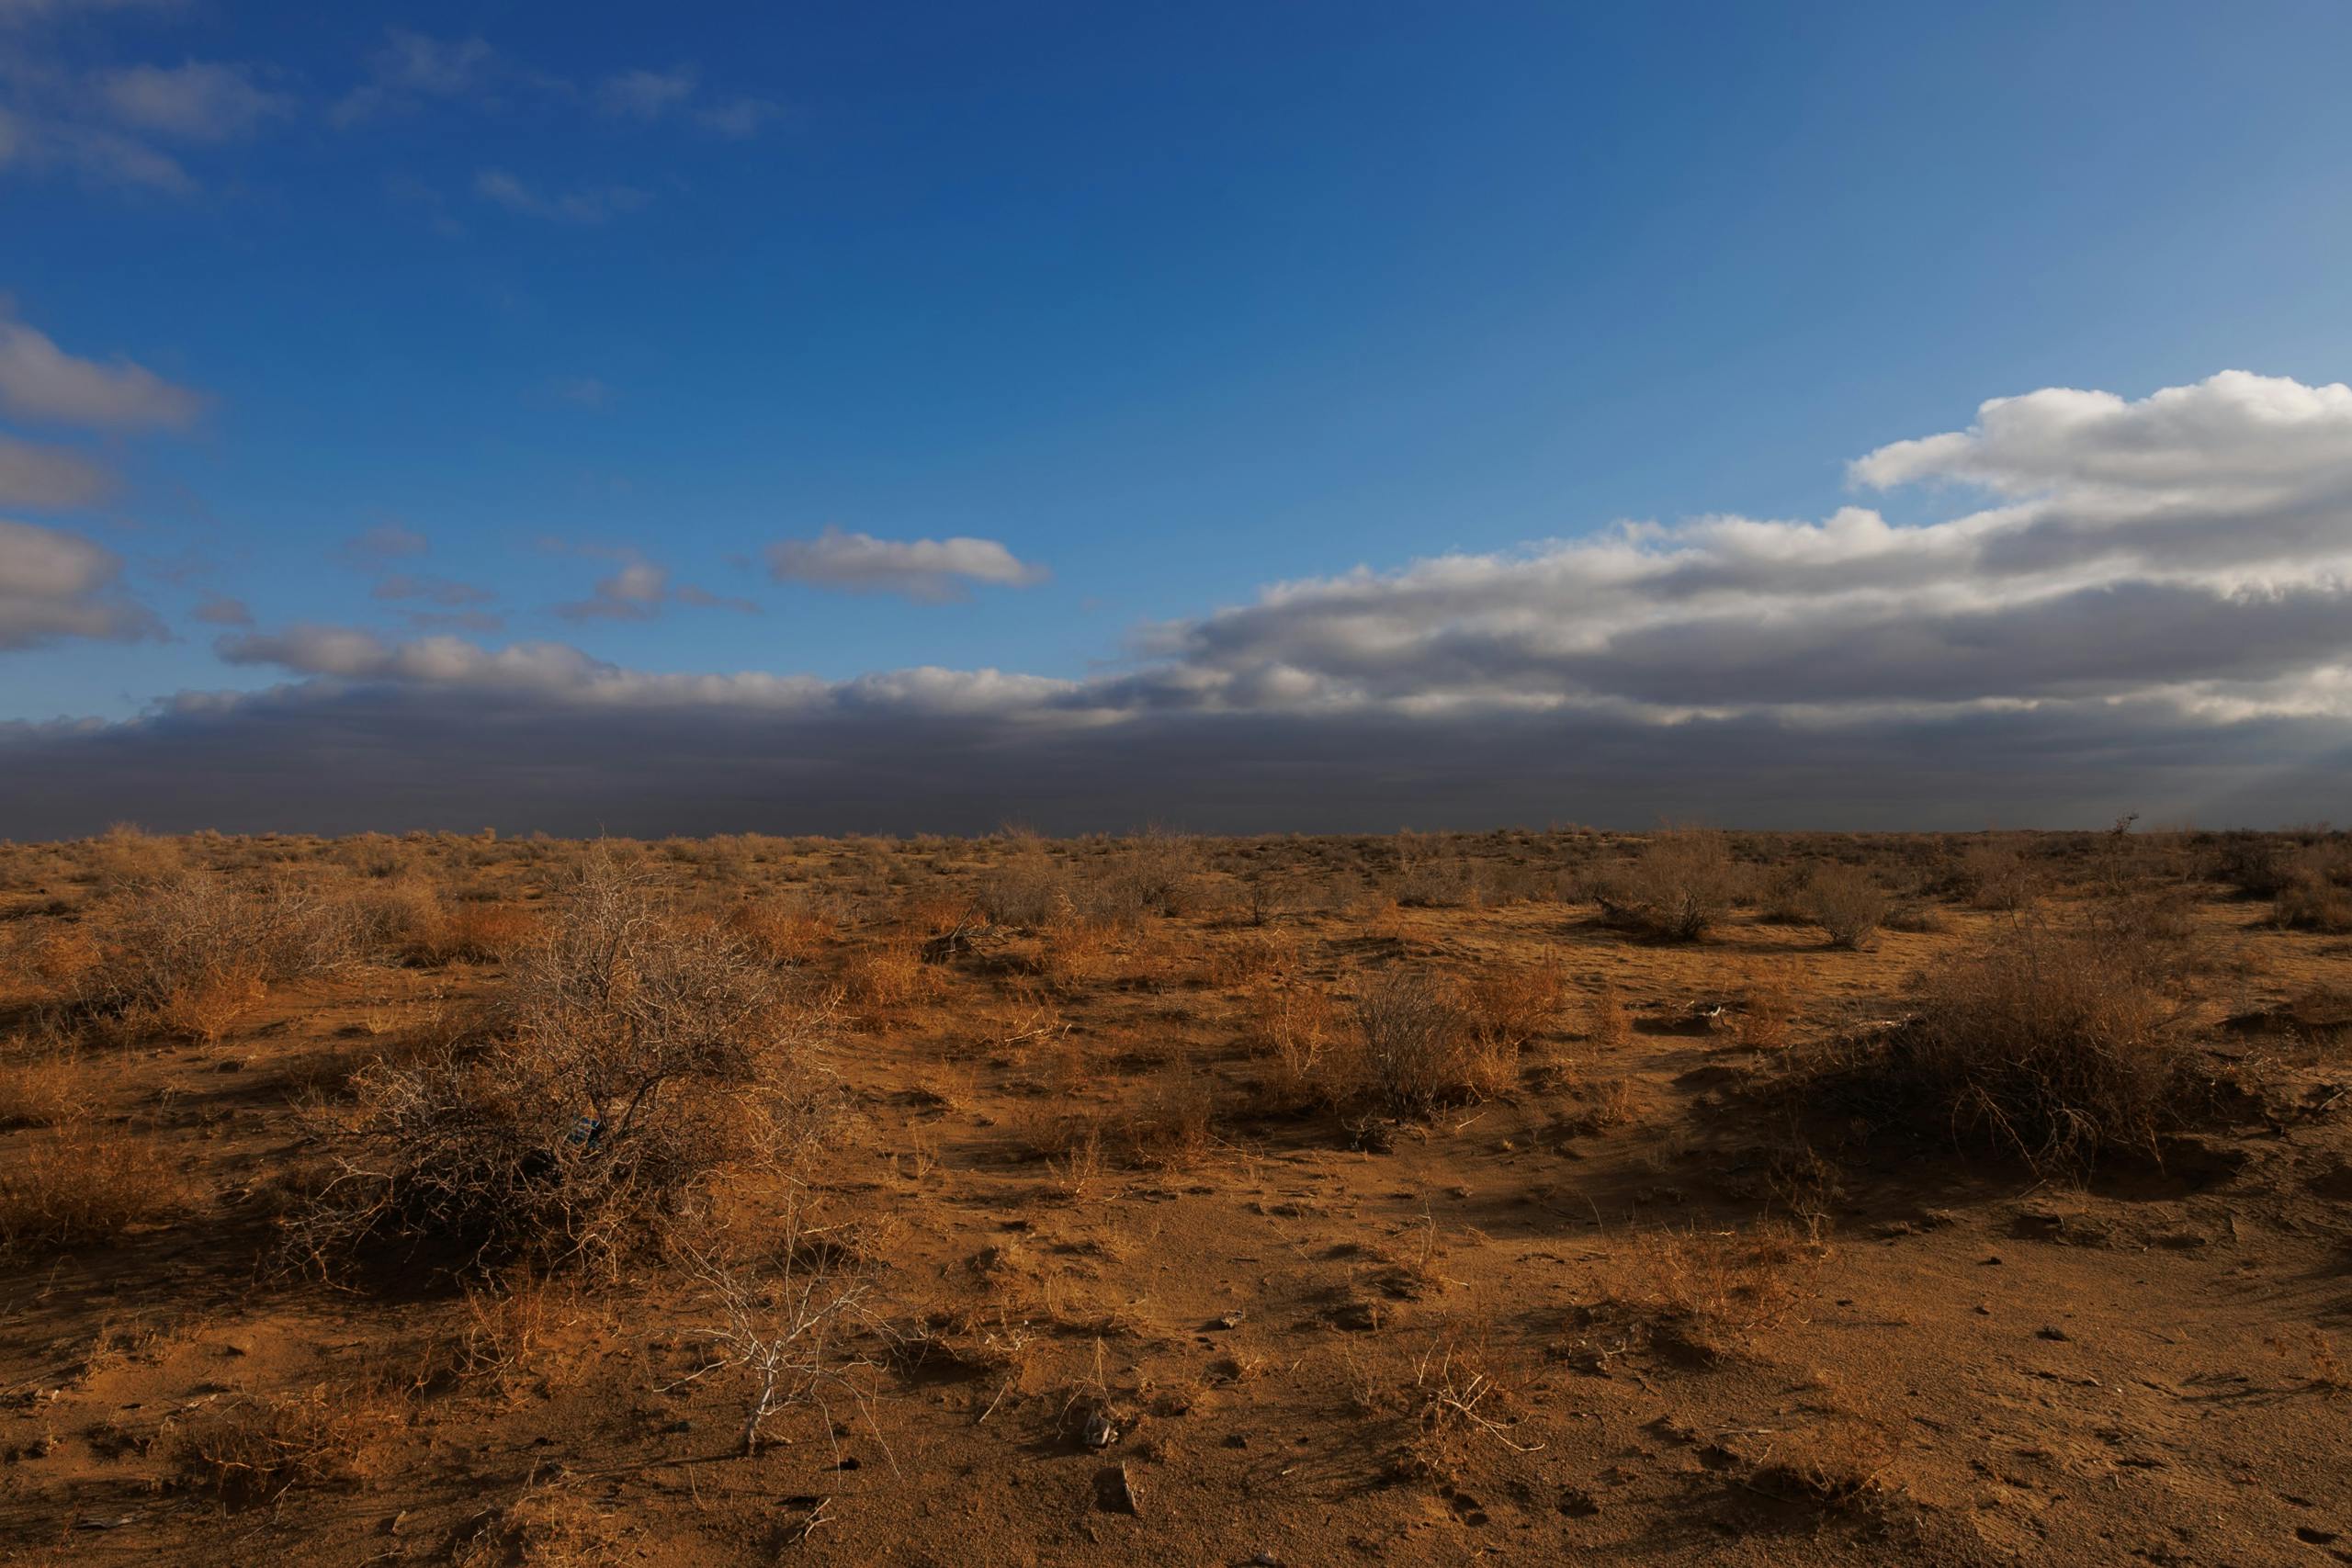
(1678, 1196)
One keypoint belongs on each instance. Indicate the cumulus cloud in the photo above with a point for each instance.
(55, 585)
(48, 478)
(2138, 605)
(928, 569)
(587, 205)
(40, 380)
(2196, 541)
(638, 590)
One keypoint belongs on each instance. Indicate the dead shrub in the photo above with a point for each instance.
(2057, 1044)
(785, 1331)
(194, 953)
(637, 1056)
(1683, 882)
(1293, 1029)
(1846, 903)
(886, 973)
(77, 1184)
(40, 1087)
(780, 932)
(1024, 891)
(1767, 1006)
(1154, 873)
(253, 1450)
(1606, 1023)
(126, 855)
(1171, 1121)
(1512, 1004)
(1996, 876)
(2313, 895)
(1416, 1039)
(473, 933)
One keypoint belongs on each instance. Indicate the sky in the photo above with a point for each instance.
(1241, 418)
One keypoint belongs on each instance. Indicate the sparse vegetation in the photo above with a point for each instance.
(644, 1190)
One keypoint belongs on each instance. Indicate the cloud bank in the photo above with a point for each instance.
(2118, 604)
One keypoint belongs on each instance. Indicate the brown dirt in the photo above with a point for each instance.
(1635, 1307)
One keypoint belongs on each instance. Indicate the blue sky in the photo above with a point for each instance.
(1171, 304)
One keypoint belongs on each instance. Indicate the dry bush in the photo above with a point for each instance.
(1996, 876)
(252, 1451)
(511, 1331)
(194, 953)
(1074, 949)
(1025, 889)
(1154, 873)
(1846, 903)
(126, 856)
(549, 1523)
(40, 1087)
(1512, 1004)
(77, 1183)
(2316, 893)
(470, 933)
(639, 1055)
(787, 1331)
(1171, 1121)
(1416, 1039)
(1293, 1028)
(781, 933)
(1683, 882)
(1256, 956)
(886, 973)
(1606, 1023)
(2054, 1043)
(1767, 1006)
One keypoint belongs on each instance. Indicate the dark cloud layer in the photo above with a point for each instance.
(337, 758)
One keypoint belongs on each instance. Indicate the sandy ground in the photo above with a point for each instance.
(1634, 1307)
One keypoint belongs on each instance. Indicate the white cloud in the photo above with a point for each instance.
(411, 67)
(737, 117)
(928, 569)
(48, 478)
(56, 585)
(40, 381)
(646, 95)
(589, 205)
(199, 100)
(638, 590)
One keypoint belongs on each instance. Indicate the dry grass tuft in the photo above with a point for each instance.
(253, 1450)
(77, 1184)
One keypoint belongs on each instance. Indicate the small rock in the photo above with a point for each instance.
(1098, 1432)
